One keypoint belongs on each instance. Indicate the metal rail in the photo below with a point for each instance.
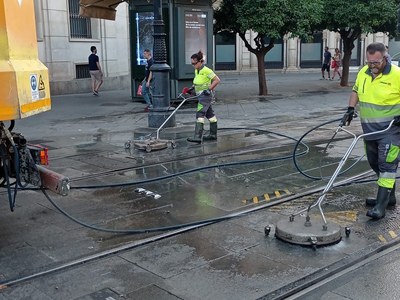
(116, 250)
(301, 288)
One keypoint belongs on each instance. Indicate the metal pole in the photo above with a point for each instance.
(160, 70)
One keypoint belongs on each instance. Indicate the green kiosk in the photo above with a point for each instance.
(188, 29)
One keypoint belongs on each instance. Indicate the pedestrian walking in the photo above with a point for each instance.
(326, 65)
(377, 92)
(95, 71)
(204, 83)
(336, 63)
(148, 77)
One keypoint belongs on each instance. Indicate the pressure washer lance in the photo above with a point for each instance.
(346, 119)
(185, 91)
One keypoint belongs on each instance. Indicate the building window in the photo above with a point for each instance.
(82, 71)
(225, 51)
(311, 51)
(80, 27)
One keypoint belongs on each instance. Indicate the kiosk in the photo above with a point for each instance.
(188, 28)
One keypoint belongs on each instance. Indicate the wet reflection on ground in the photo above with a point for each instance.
(215, 179)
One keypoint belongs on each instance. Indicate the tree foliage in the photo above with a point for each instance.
(270, 19)
(353, 18)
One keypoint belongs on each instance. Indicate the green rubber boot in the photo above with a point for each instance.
(382, 200)
(213, 132)
(392, 199)
(198, 133)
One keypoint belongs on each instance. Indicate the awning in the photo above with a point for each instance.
(100, 9)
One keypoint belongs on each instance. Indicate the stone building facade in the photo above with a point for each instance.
(64, 41)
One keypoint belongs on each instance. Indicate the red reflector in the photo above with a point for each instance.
(39, 154)
(44, 157)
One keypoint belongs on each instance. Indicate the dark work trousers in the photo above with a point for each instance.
(383, 157)
(204, 108)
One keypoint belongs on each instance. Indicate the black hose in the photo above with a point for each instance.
(135, 231)
(220, 165)
(12, 124)
(300, 141)
(11, 196)
(166, 228)
(172, 227)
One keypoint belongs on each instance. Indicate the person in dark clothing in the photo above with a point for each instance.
(326, 65)
(148, 76)
(95, 71)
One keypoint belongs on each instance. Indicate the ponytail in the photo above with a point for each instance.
(198, 56)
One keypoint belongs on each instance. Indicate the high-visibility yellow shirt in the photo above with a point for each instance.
(202, 79)
(379, 99)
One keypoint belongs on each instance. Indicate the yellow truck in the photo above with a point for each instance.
(24, 92)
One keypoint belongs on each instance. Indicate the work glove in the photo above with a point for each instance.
(396, 121)
(207, 92)
(188, 91)
(348, 116)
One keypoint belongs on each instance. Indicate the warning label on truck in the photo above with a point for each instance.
(34, 87)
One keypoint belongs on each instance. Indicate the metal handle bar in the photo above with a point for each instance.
(175, 110)
(338, 169)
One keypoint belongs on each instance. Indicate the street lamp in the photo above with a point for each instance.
(160, 70)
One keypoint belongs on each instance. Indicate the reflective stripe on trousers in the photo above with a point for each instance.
(383, 157)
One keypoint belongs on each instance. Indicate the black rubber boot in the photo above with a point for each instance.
(382, 198)
(213, 132)
(392, 199)
(198, 133)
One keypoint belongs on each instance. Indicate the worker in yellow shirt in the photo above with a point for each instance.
(204, 83)
(377, 92)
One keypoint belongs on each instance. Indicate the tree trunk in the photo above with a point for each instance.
(259, 51)
(348, 45)
(262, 82)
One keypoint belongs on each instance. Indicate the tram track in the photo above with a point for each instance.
(170, 161)
(74, 263)
(114, 251)
(247, 150)
(300, 288)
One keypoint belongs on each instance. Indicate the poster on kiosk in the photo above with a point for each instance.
(188, 29)
(195, 33)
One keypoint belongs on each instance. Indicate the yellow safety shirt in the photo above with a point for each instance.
(379, 99)
(202, 79)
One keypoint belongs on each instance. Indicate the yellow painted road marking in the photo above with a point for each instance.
(381, 238)
(393, 234)
(267, 197)
(344, 216)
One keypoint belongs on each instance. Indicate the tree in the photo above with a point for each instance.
(352, 18)
(269, 19)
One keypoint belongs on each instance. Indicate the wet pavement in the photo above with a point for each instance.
(227, 191)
